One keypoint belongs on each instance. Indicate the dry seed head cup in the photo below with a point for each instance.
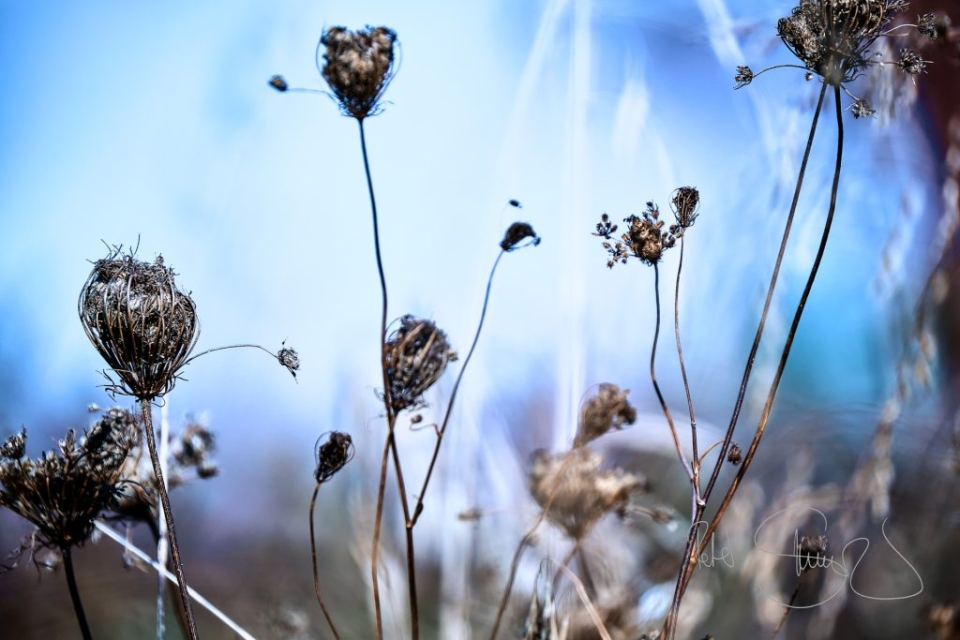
(415, 356)
(140, 322)
(358, 66)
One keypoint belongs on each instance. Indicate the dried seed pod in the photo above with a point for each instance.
(358, 66)
(415, 356)
(332, 455)
(686, 203)
(140, 322)
(289, 359)
(278, 83)
(516, 233)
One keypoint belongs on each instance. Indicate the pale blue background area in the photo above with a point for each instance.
(154, 121)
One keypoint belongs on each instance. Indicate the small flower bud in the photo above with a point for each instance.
(735, 455)
(278, 83)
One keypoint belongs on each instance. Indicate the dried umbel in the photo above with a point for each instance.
(358, 66)
(63, 491)
(140, 322)
(576, 492)
(191, 457)
(645, 238)
(686, 206)
(832, 37)
(606, 411)
(415, 356)
(289, 359)
(333, 455)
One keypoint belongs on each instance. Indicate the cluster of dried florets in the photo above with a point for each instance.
(576, 492)
(192, 457)
(832, 38)
(607, 411)
(63, 491)
(686, 206)
(645, 238)
(289, 359)
(333, 455)
(358, 66)
(140, 322)
(415, 356)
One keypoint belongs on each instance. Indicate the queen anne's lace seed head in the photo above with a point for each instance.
(358, 66)
(415, 356)
(140, 322)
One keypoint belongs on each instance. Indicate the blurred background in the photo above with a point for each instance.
(152, 126)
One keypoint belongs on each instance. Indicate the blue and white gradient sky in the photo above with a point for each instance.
(153, 123)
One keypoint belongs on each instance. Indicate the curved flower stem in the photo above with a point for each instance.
(686, 386)
(772, 394)
(75, 593)
(230, 346)
(313, 557)
(418, 509)
(653, 377)
(146, 410)
(789, 607)
(390, 445)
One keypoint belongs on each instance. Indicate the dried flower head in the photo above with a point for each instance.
(686, 206)
(608, 410)
(358, 66)
(645, 239)
(910, 62)
(861, 108)
(191, 457)
(63, 491)
(735, 455)
(832, 37)
(415, 356)
(278, 83)
(744, 76)
(288, 358)
(576, 492)
(516, 233)
(332, 455)
(139, 321)
(810, 551)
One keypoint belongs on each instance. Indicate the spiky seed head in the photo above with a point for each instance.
(139, 322)
(415, 356)
(289, 359)
(358, 66)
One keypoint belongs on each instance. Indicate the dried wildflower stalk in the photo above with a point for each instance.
(331, 456)
(62, 493)
(832, 39)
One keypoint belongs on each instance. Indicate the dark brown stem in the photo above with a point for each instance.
(313, 557)
(789, 608)
(688, 564)
(418, 509)
(75, 593)
(171, 587)
(391, 445)
(791, 335)
(653, 377)
(146, 410)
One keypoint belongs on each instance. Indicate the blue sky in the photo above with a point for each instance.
(143, 122)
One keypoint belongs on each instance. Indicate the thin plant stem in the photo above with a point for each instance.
(686, 384)
(75, 593)
(229, 346)
(172, 579)
(689, 558)
(313, 557)
(146, 409)
(418, 509)
(391, 441)
(171, 586)
(786, 613)
(794, 325)
(587, 603)
(161, 540)
(653, 377)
